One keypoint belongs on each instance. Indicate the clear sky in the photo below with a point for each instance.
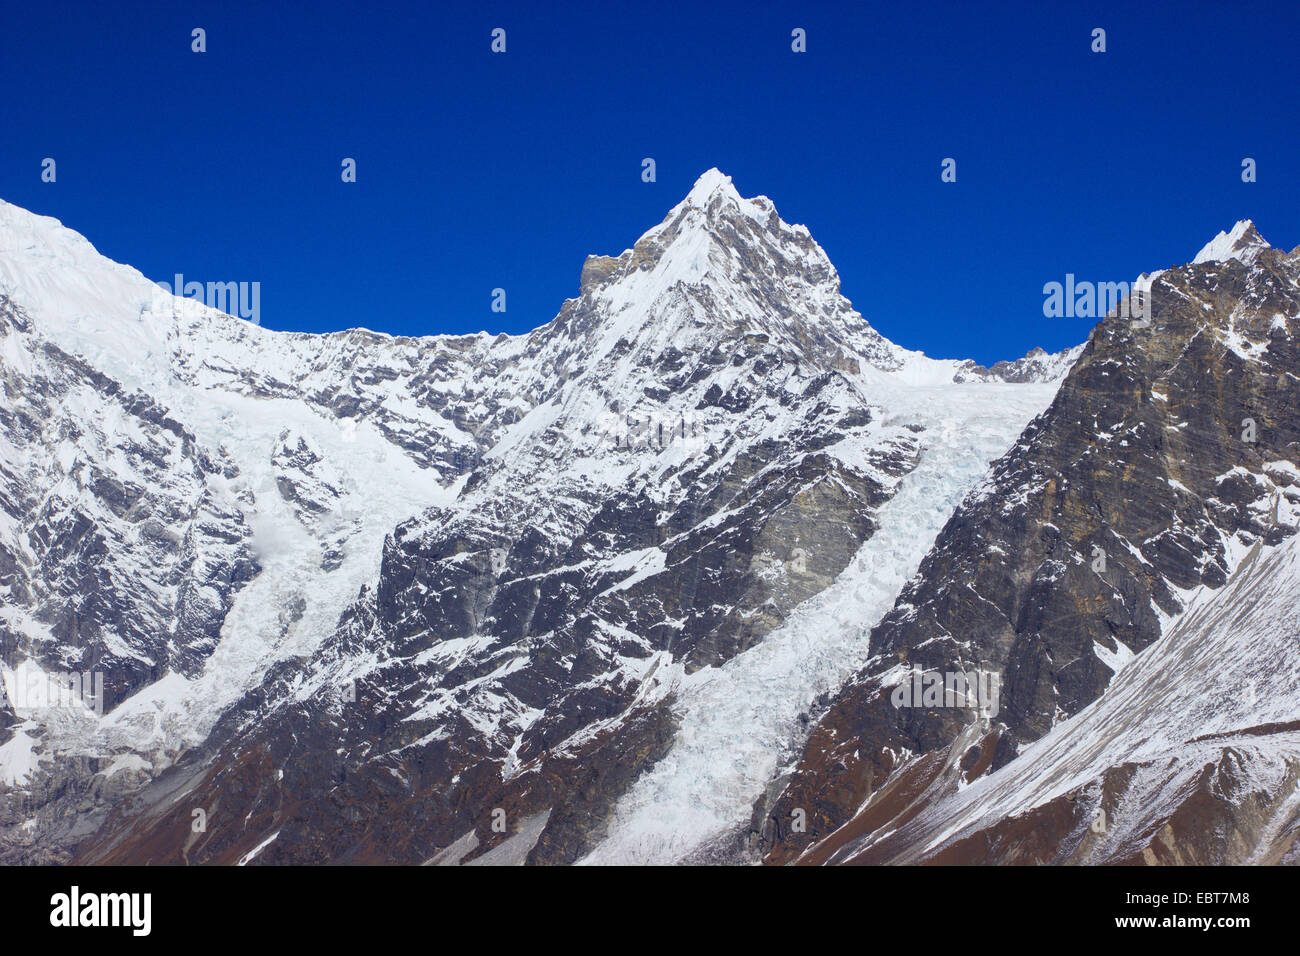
(478, 170)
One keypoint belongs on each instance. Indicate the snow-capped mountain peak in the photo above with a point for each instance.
(1243, 243)
(711, 181)
(720, 267)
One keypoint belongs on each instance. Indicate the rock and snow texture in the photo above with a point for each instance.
(1037, 366)
(122, 542)
(603, 578)
(1168, 453)
(1191, 756)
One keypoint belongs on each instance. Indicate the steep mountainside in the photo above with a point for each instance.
(1191, 756)
(1169, 452)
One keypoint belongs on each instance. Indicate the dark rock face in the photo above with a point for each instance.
(1165, 447)
(1178, 763)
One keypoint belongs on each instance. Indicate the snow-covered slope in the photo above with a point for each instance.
(152, 527)
(163, 546)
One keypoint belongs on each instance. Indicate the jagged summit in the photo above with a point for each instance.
(712, 203)
(711, 181)
(720, 266)
(1243, 242)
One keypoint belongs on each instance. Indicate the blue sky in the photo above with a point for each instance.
(478, 171)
